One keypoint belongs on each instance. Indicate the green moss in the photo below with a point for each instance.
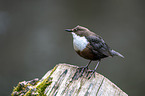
(41, 88)
(18, 87)
(30, 88)
(28, 93)
(46, 82)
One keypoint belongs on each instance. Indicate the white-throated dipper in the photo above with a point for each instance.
(90, 46)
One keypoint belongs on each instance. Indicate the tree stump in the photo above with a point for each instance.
(59, 82)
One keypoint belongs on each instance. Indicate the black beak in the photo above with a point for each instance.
(69, 30)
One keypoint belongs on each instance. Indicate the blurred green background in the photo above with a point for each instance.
(33, 40)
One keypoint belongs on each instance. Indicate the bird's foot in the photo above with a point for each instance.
(81, 71)
(90, 73)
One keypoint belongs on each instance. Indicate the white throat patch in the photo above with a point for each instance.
(79, 43)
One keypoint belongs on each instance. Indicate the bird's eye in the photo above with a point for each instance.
(75, 30)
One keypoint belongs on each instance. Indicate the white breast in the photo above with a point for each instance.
(79, 43)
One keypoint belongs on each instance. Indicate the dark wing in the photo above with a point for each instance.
(99, 45)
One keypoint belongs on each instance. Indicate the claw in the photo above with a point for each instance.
(92, 72)
(82, 70)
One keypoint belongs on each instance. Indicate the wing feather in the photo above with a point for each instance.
(99, 45)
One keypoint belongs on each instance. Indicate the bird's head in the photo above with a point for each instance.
(79, 30)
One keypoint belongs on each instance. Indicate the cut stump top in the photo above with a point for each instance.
(63, 85)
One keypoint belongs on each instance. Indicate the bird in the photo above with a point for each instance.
(90, 46)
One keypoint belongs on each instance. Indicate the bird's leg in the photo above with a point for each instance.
(84, 68)
(93, 71)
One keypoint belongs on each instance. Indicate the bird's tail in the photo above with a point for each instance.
(115, 53)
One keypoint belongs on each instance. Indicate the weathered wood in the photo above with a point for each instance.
(60, 82)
